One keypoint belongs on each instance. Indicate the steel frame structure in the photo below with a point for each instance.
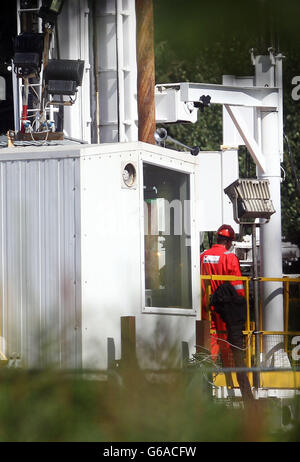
(264, 141)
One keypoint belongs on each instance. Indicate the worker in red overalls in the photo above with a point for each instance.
(218, 260)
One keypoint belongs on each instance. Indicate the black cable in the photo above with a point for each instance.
(292, 164)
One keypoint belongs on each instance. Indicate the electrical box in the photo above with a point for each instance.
(90, 233)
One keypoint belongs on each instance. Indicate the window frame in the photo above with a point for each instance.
(189, 168)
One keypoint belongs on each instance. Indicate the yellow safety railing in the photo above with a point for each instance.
(250, 327)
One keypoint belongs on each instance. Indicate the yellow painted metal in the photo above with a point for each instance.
(3, 359)
(224, 277)
(286, 288)
(284, 279)
(282, 332)
(260, 327)
(275, 380)
(209, 294)
(214, 277)
(280, 379)
(284, 379)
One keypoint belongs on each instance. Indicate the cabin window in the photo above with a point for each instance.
(167, 238)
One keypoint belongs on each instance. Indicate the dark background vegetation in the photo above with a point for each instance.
(199, 41)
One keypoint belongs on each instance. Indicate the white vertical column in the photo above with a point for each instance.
(127, 63)
(270, 236)
(117, 70)
(105, 37)
(74, 44)
(268, 73)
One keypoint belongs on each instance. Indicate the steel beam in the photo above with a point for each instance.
(263, 97)
(248, 139)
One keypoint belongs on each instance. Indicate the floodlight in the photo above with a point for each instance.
(250, 199)
(28, 54)
(63, 76)
(50, 9)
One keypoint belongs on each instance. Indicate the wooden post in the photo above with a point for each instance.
(145, 70)
(202, 335)
(203, 341)
(128, 339)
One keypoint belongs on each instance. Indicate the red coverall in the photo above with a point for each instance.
(219, 261)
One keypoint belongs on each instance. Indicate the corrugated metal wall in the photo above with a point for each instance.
(39, 267)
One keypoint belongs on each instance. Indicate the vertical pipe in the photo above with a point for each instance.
(286, 312)
(248, 351)
(270, 236)
(96, 70)
(146, 70)
(255, 291)
(16, 100)
(120, 70)
(25, 103)
(256, 304)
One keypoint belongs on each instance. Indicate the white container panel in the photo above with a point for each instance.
(31, 262)
(111, 261)
(38, 270)
(230, 173)
(217, 171)
(11, 281)
(69, 236)
(112, 257)
(210, 194)
(160, 337)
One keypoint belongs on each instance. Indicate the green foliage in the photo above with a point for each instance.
(188, 27)
(52, 406)
(207, 132)
(290, 193)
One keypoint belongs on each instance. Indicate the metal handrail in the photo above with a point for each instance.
(224, 277)
(258, 330)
